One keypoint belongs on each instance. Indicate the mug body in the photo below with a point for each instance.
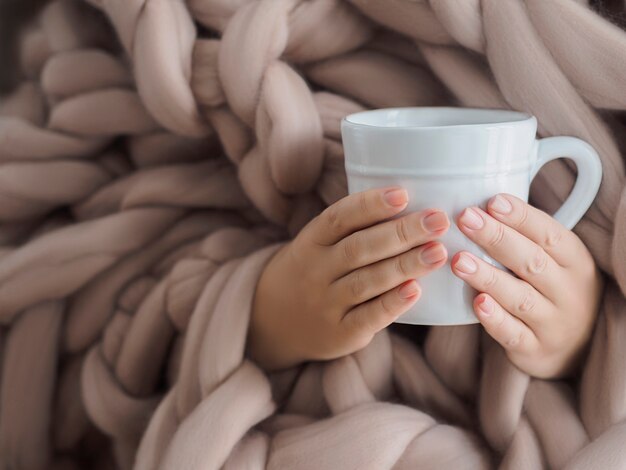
(446, 158)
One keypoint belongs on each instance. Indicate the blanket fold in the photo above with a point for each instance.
(158, 153)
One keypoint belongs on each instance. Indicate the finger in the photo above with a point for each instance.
(356, 211)
(506, 329)
(372, 280)
(387, 239)
(559, 242)
(515, 295)
(378, 313)
(506, 245)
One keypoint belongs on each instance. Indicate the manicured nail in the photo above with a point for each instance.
(501, 204)
(471, 219)
(465, 264)
(486, 306)
(433, 254)
(396, 197)
(408, 290)
(435, 221)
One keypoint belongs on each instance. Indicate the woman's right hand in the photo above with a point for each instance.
(348, 274)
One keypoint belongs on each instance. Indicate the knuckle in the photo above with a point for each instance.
(553, 237)
(403, 233)
(364, 203)
(386, 307)
(352, 249)
(528, 301)
(401, 267)
(491, 279)
(537, 263)
(497, 237)
(523, 215)
(500, 323)
(357, 285)
(514, 340)
(296, 251)
(334, 219)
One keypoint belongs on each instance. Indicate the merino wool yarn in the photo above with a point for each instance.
(157, 153)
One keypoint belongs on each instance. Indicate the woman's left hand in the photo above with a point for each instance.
(543, 317)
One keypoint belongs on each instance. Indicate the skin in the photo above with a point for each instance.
(354, 269)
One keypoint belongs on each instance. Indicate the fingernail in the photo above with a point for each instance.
(433, 254)
(471, 219)
(466, 265)
(486, 306)
(396, 197)
(500, 204)
(435, 221)
(408, 290)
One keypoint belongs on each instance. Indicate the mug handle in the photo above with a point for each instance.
(587, 181)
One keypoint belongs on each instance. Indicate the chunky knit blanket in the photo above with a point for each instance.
(157, 153)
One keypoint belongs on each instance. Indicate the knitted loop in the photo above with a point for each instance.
(29, 419)
(462, 19)
(288, 131)
(73, 72)
(254, 38)
(503, 388)
(344, 30)
(414, 19)
(159, 36)
(122, 113)
(118, 414)
(66, 181)
(285, 133)
(619, 243)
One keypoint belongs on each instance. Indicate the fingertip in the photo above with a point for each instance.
(500, 204)
(392, 187)
(471, 219)
(396, 196)
(433, 254)
(511, 197)
(484, 305)
(440, 212)
(457, 219)
(463, 264)
(410, 290)
(434, 222)
(445, 251)
(453, 262)
(419, 290)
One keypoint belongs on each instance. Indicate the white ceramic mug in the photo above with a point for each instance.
(452, 158)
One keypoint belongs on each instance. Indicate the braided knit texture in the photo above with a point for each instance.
(157, 153)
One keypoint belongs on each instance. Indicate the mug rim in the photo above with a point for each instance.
(511, 117)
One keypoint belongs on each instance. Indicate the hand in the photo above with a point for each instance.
(348, 274)
(544, 317)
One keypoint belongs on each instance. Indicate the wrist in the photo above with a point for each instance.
(268, 347)
(267, 342)
(267, 354)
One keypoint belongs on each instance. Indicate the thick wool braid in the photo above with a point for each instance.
(140, 295)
